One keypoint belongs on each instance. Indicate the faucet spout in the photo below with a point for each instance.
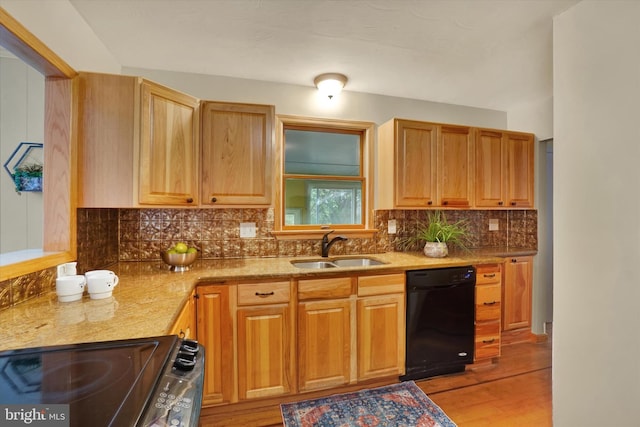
(326, 243)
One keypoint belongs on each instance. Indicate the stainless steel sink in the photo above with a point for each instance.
(313, 264)
(357, 262)
(339, 262)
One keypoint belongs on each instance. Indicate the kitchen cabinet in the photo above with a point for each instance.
(215, 333)
(237, 153)
(138, 143)
(455, 166)
(185, 324)
(432, 165)
(326, 325)
(381, 325)
(504, 169)
(266, 339)
(442, 165)
(488, 311)
(517, 296)
(169, 142)
(408, 172)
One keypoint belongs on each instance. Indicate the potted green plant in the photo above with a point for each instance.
(28, 177)
(437, 233)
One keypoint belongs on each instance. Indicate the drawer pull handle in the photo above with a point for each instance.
(264, 294)
(490, 276)
(490, 303)
(491, 341)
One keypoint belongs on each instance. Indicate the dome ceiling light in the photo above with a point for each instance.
(330, 84)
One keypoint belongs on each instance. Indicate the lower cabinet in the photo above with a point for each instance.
(325, 333)
(381, 326)
(279, 337)
(488, 311)
(265, 339)
(185, 324)
(215, 332)
(517, 296)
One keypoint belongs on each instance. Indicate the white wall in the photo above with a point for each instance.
(21, 120)
(596, 335)
(305, 100)
(59, 26)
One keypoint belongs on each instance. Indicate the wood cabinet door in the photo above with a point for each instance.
(169, 142)
(381, 337)
(518, 278)
(185, 324)
(520, 173)
(490, 169)
(455, 166)
(237, 153)
(415, 170)
(265, 364)
(215, 333)
(324, 343)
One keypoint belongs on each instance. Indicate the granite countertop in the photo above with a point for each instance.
(149, 297)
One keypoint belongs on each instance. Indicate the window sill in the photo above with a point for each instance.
(317, 234)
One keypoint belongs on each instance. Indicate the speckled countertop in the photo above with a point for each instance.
(149, 297)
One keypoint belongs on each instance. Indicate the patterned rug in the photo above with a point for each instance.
(397, 405)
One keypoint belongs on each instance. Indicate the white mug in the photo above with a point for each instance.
(101, 283)
(67, 269)
(70, 288)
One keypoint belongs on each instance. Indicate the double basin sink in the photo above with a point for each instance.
(338, 262)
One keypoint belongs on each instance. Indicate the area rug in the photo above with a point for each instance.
(397, 405)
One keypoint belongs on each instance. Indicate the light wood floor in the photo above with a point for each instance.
(514, 392)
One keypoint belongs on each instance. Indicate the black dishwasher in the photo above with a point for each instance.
(440, 321)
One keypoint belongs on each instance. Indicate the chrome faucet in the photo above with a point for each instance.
(326, 243)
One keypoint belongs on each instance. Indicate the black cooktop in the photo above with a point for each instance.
(108, 383)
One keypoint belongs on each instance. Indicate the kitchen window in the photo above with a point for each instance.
(325, 175)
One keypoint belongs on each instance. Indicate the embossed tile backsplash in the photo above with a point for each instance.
(140, 234)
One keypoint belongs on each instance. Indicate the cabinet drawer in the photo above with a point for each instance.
(487, 339)
(488, 273)
(488, 304)
(332, 287)
(381, 284)
(263, 293)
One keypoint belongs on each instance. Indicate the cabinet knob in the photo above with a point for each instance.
(513, 203)
(445, 203)
(429, 202)
(189, 200)
(213, 200)
(514, 260)
(500, 203)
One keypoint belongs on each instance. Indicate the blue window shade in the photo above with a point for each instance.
(321, 153)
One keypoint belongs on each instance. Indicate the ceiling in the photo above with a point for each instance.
(493, 54)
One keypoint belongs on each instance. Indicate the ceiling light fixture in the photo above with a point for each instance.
(330, 84)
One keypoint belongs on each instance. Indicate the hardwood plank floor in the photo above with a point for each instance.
(516, 391)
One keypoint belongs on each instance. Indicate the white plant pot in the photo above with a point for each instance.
(436, 249)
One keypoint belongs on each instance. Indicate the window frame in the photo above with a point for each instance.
(366, 130)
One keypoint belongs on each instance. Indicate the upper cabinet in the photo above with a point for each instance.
(504, 169)
(455, 166)
(237, 153)
(407, 164)
(424, 165)
(168, 169)
(138, 143)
